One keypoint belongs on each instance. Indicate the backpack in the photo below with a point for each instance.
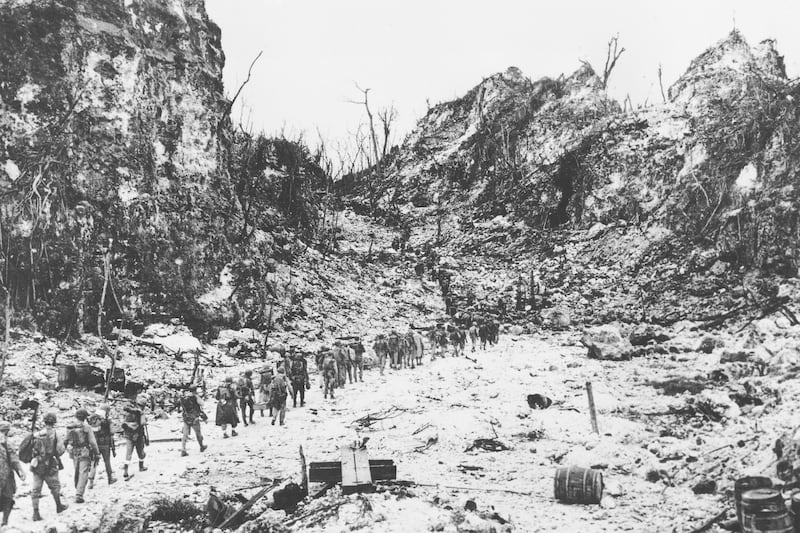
(297, 369)
(26, 449)
(78, 438)
(279, 391)
(43, 450)
(244, 387)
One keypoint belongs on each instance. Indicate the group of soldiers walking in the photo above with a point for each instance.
(88, 440)
(337, 365)
(235, 397)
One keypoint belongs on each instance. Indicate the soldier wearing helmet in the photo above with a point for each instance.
(101, 425)
(134, 428)
(47, 449)
(82, 447)
(9, 465)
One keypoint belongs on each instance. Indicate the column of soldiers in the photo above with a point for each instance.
(90, 438)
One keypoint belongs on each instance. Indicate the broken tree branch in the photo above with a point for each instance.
(235, 96)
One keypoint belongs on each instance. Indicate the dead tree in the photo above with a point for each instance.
(374, 138)
(387, 116)
(661, 84)
(612, 55)
(5, 335)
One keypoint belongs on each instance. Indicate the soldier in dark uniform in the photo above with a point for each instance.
(246, 396)
(299, 377)
(9, 465)
(48, 448)
(101, 425)
(192, 414)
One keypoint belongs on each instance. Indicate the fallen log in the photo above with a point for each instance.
(260, 494)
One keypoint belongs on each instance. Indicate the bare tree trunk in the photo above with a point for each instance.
(5, 337)
(106, 274)
(612, 55)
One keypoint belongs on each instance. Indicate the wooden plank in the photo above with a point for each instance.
(331, 471)
(355, 469)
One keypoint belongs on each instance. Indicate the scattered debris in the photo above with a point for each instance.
(490, 445)
(373, 418)
(538, 401)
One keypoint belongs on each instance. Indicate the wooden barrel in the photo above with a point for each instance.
(763, 511)
(117, 381)
(578, 485)
(742, 485)
(66, 376)
(796, 511)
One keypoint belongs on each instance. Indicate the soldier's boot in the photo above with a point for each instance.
(125, 474)
(233, 433)
(251, 418)
(142, 468)
(203, 447)
(111, 478)
(36, 516)
(60, 507)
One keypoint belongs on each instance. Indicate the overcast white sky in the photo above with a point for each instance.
(410, 51)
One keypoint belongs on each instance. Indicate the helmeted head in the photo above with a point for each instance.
(4, 427)
(248, 374)
(50, 419)
(228, 379)
(82, 414)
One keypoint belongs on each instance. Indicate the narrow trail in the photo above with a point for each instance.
(449, 401)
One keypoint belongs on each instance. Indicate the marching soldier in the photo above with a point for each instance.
(135, 431)
(82, 447)
(101, 425)
(47, 449)
(9, 465)
(192, 414)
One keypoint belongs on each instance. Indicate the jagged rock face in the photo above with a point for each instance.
(725, 70)
(716, 163)
(138, 82)
(502, 143)
(112, 126)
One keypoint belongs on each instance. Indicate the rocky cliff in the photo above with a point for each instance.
(708, 176)
(115, 143)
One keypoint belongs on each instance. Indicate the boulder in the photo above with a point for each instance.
(606, 342)
(645, 333)
(516, 330)
(737, 356)
(556, 318)
(707, 345)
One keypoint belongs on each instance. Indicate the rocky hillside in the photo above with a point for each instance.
(115, 144)
(518, 170)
